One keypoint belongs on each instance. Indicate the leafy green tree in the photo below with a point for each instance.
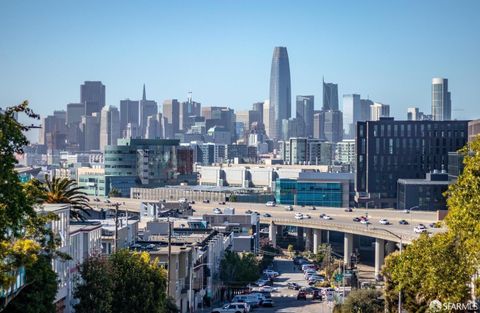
(60, 190)
(40, 289)
(239, 270)
(123, 282)
(95, 289)
(363, 301)
(442, 266)
(22, 232)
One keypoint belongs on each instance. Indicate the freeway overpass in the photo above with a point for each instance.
(341, 222)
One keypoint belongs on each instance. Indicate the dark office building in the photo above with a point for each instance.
(92, 95)
(423, 194)
(389, 150)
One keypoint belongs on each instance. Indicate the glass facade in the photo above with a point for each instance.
(291, 191)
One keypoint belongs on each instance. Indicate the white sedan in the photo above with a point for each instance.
(217, 211)
(420, 229)
(384, 221)
(327, 217)
(298, 216)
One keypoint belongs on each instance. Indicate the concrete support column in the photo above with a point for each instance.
(390, 247)
(309, 239)
(280, 230)
(327, 239)
(379, 255)
(347, 248)
(272, 234)
(300, 243)
(317, 239)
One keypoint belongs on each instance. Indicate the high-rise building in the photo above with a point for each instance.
(332, 125)
(441, 100)
(388, 150)
(379, 110)
(280, 90)
(90, 128)
(345, 151)
(75, 112)
(109, 126)
(268, 119)
(365, 113)
(171, 112)
(305, 108)
(188, 110)
(153, 128)
(290, 128)
(146, 108)
(129, 114)
(330, 96)
(92, 95)
(259, 107)
(300, 150)
(318, 123)
(352, 113)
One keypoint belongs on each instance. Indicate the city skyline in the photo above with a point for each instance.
(49, 77)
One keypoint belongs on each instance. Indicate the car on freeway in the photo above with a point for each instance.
(322, 215)
(182, 200)
(384, 221)
(248, 212)
(217, 211)
(270, 203)
(107, 201)
(402, 222)
(356, 219)
(306, 216)
(302, 295)
(348, 210)
(364, 221)
(289, 208)
(327, 217)
(206, 201)
(267, 215)
(231, 308)
(293, 286)
(222, 202)
(298, 216)
(271, 273)
(313, 208)
(420, 229)
(406, 211)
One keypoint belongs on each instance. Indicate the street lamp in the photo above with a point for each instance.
(411, 209)
(401, 245)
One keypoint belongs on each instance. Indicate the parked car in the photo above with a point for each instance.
(302, 295)
(402, 222)
(308, 266)
(217, 211)
(270, 203)
(293, 286)
(267, 303)
(267, 289)
(271, 273)
(251, 300)
(231, 308)
(384, 221)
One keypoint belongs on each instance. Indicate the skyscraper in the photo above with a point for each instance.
(268, 119)
(90, 128)
(280, 90)
(304, 115)
(171, 113)
(365, 109)
(379, 110)
(109, 126)
(75, 112)
(129, 113)
(146, 108)
(352, 113)
(332, 125)
(330, 96)
(441, 100)
(92, 95)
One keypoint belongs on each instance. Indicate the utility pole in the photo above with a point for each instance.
(169, 255)
(116, 205)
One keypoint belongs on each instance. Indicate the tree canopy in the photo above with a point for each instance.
(23, 233)
(239, 270)
(123, 282)
(441, 266)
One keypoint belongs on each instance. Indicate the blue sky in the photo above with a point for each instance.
(221, 50)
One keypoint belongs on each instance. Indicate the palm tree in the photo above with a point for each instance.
(65, 190)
